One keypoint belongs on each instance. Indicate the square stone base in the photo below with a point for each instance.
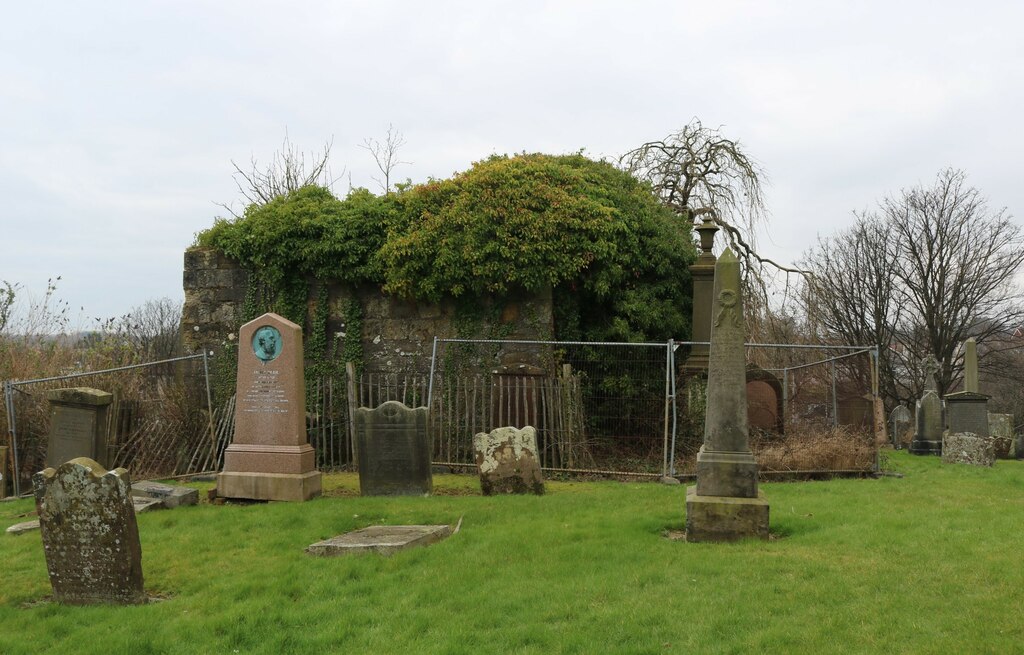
(269, 486)
(724, 518)
(729, 474)
(925, 447)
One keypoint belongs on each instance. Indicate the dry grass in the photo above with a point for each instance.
(809, 447)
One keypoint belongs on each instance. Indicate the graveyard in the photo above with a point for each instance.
(927, 562)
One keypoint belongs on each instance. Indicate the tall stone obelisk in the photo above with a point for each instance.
(725, 504)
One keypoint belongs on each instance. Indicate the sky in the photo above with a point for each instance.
(119, 121)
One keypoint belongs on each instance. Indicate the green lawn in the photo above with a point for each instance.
(927, 563)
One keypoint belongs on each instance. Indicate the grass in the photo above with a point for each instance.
(927, 563)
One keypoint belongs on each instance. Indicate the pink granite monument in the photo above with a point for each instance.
(270, 457)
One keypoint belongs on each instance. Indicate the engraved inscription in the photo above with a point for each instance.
(73, 426)
(265, 394)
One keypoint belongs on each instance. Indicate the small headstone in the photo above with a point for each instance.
(90, 537)
(380, 539)
(171, 495)
(1000, 428)
(725, 504)
(929, 419)
(22, 528)
(78, 425)
(508, 462)
(967, 448)
(393, 450)
(270, 457)
(901, 420)
(967, 411)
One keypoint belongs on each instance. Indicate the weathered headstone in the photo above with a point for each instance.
(901, 421)
(968, 448)
(971, 365)
(929, 418)
(393, 450)
(508, 461)
(78, 425)
(726, 504)
(90, 537)
(169, 495)
(1000, 428)
(380, 539)
(270, 457)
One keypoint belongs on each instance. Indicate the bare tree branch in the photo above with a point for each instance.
(385, 155)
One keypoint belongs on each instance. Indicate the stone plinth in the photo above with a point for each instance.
(393, 450)
(90, 537)
(968, 448)
(929, 421)
(270, 457)
(380, 539)
(508, 462)
(967, 411)
(78, 425)
(720, 518)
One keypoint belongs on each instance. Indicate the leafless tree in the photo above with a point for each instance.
(385, 155)
(152, 330)
(287, 171)
(931, 267)
(702, 175)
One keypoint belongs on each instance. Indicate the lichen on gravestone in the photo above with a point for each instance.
(508, 462)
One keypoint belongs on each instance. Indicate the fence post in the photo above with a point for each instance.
(209, 398)
(835, 400)
(675, 409)
(350, 385)
(13, 431)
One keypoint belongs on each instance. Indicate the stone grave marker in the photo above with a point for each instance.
(967, 411)
(90, 537)
(270, 457)
(169, 495)
(968, 448)
(1000, 428)
(78, 425)
(901, 421)
(380, 539)
(929, 419)
(725, 504)
(393, 450)
(508, 462)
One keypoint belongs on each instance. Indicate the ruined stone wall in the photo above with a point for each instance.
(396, 334)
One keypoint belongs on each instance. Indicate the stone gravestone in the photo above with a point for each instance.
(90, 537)
(1000, 428)
(929, 419)
(901, 421)
(508, 461)
(967, 410)
(270, 457)
(393, 450)
(725, 504)
(78, 425)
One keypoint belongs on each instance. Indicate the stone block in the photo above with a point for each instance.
(508, 462)
(968, 448)
(90, 537)
(171, 495)
(967, 412)
(720, 518)
(726, 474)
(23, 527)
(296, 487)
(380, 539)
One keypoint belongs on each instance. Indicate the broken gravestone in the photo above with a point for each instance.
(169, 495)
(393, 450)
(508, 462)
(968, 448)
(380, 539)
(90, 537)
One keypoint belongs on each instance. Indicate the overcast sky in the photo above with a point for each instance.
(119, 121)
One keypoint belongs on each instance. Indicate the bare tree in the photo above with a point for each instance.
(932, 267)
(153, 329)
(702, 175)
(287, 171)
(385, 155)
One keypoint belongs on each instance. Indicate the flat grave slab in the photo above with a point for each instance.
(22, 528)
(169, 494)
(380, 539)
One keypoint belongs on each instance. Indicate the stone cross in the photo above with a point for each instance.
(90, 537)
(971, 365)
(270, 457)
(931, 372)
(725, 504)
